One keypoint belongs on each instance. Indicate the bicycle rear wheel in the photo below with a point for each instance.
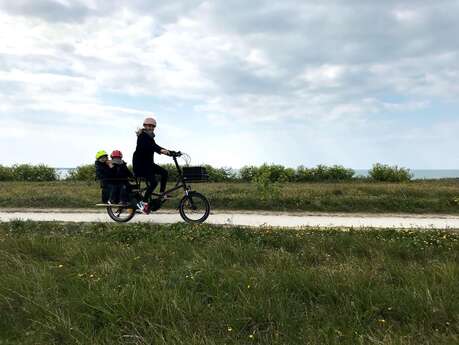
(121, 214)
(194, 208)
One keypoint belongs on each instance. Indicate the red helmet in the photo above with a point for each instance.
(116, 154)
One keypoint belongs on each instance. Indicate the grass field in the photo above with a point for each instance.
(412, 197)
(181, 284)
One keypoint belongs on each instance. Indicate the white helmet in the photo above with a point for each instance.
(149, 121)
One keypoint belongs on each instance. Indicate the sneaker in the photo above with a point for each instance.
(143, 207)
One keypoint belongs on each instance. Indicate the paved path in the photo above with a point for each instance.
(261, 218)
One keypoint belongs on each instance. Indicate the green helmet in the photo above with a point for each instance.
(101, 153)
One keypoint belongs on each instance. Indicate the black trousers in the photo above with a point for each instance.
(105, 194)
(152, 182)
(106, 190)
(119, 193)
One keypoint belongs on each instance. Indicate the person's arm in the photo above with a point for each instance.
(159, 149)
(165, 152)
(98, 172)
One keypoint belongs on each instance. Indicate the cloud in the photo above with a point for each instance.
(339, 66)
(50, 10)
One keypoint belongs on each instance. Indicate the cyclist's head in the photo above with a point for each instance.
(149, 124)
(101, 155)
(116, 154)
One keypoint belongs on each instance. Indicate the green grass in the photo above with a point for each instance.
(412, 197)
(182, 284)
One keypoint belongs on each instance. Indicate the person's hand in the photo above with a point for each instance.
(109, 163)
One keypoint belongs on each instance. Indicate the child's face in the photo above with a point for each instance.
(103, 159)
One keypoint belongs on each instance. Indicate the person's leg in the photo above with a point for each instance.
(124, 194)
(151, 185)
(115, 193)
(164, 176)
(105, 192)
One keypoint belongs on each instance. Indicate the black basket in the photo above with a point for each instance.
(195, 174)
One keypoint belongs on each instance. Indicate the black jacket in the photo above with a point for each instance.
(120, 173)
(142, 159)
(103, 173)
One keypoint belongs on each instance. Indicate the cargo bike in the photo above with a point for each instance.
(193, 206)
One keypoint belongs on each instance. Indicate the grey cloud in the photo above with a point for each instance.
(53, 11)
(349, 32)
(48, 10)
(357, 35)
(378, 54)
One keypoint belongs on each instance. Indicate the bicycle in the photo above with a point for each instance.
(193, 207)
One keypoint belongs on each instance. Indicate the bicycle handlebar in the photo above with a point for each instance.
(175, 153)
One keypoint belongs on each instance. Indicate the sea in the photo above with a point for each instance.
(63, 173)
(419, 174)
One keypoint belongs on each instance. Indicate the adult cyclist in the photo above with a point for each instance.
(143, 161)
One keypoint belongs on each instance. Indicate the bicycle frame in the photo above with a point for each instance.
(181, 183)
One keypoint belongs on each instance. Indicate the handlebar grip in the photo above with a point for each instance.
(175, 153)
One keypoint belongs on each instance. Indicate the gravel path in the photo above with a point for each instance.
(261, 218)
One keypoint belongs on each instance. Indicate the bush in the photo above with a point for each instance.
(6, 173)
(386, 173)
(304, 174)
(334, 173)
(274, 173)
(83, 173)
(220, 174)
(248, 173)
(27, 172)
(323, 173)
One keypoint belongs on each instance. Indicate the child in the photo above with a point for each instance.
(120, 184)
(104, 174)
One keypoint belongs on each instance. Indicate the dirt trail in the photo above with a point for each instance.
(261, 218)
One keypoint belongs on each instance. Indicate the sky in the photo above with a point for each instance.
(233, 82)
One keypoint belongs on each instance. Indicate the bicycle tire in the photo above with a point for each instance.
(116, 215)
(191, 202)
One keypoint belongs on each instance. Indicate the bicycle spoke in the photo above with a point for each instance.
(194, 208)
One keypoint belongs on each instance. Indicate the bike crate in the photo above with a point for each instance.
(195, 174)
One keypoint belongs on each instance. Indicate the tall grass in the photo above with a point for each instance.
(412, 197)
(181, 284)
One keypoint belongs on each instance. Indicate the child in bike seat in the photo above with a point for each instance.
(120, 186)
(104, 173)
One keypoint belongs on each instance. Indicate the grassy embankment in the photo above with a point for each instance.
(181, 284)
(411, 197)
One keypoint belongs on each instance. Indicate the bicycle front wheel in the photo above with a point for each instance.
(121, 214)
(194, 208)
